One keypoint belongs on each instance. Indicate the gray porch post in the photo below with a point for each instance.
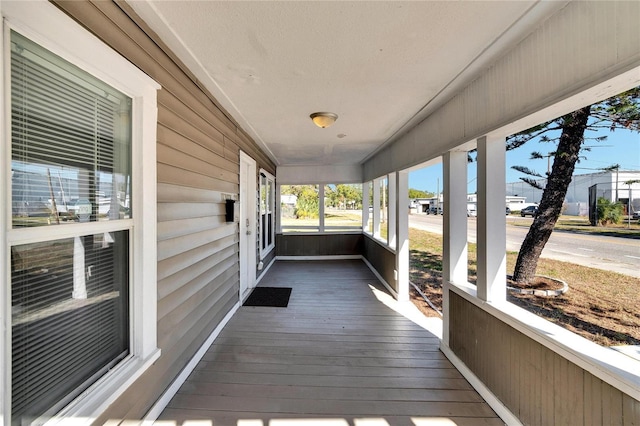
(454, 256)
(402, 234)
(492, 238)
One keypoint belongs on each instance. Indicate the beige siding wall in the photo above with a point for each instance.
(198, 161)
(537, 385)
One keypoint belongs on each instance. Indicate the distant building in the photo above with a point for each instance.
(610, 185)
(428, 205)
(288, 199)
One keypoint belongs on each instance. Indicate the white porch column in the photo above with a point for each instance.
(278, 210)
(401, 186)
(393, 210)
(454, 259)
(365, 207)
(491, 219)
(454, 244)
(376, 208)
(321, 207)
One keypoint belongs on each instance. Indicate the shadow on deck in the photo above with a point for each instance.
(337, 355)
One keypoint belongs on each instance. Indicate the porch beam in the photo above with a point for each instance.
(401, 220)
(491, 246)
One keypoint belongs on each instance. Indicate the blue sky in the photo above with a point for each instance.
(621, 147)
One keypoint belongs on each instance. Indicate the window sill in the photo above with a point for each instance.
(380, 242)
(95, 400)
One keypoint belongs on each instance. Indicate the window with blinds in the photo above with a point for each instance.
(71, 138)
(71, 164)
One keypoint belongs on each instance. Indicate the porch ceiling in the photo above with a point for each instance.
(381, 66)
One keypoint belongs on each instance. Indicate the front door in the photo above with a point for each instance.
(248, 209)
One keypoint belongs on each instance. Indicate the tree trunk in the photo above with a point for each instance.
(553, 196)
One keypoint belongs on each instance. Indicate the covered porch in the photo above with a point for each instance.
(221, 97)
(343, 352)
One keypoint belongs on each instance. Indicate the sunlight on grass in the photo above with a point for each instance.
(600, 305)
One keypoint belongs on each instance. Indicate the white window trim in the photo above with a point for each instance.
(391, 202)
(272, 207)
(48, 26)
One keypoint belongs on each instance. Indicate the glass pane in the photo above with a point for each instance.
(69, 302)
(384, 212)
(270, 195)
(343, 207)
(70, 142)
(299, 208)
(264, 199)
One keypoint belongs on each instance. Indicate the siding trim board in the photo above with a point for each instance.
(512, 346)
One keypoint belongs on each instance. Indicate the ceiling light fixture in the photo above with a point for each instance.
(323, 119)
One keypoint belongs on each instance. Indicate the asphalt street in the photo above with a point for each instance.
(597, 251)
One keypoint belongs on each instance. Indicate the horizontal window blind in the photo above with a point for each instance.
(70, 162)
(70, 317)
(71, 138)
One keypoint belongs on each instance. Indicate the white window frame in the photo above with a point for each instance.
(271, 208)
(46, 25)
(332, 229)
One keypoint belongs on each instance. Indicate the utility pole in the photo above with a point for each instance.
(438, 198)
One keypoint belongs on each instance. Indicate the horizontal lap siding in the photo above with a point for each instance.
(198, 164)
(537, 385)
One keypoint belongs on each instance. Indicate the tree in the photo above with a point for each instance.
(417, 193)
(621, 111)
(307, 200)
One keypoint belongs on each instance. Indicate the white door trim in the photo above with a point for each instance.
(247, 228)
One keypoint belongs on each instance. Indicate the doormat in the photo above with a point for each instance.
(277, 297)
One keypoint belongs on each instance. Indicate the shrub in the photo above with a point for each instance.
(608, 212)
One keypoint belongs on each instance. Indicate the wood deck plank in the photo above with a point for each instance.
(335, 354)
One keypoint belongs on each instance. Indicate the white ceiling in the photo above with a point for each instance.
(382, 66)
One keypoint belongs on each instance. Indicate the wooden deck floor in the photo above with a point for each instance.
(334, 356)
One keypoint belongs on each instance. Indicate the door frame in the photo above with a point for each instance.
(247, 226)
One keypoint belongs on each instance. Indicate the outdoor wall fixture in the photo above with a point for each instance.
(323, 119)
(229, 210)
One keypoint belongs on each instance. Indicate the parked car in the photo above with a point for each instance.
(636, 215)
(435, 210)
(529, 211)
(508, 210)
